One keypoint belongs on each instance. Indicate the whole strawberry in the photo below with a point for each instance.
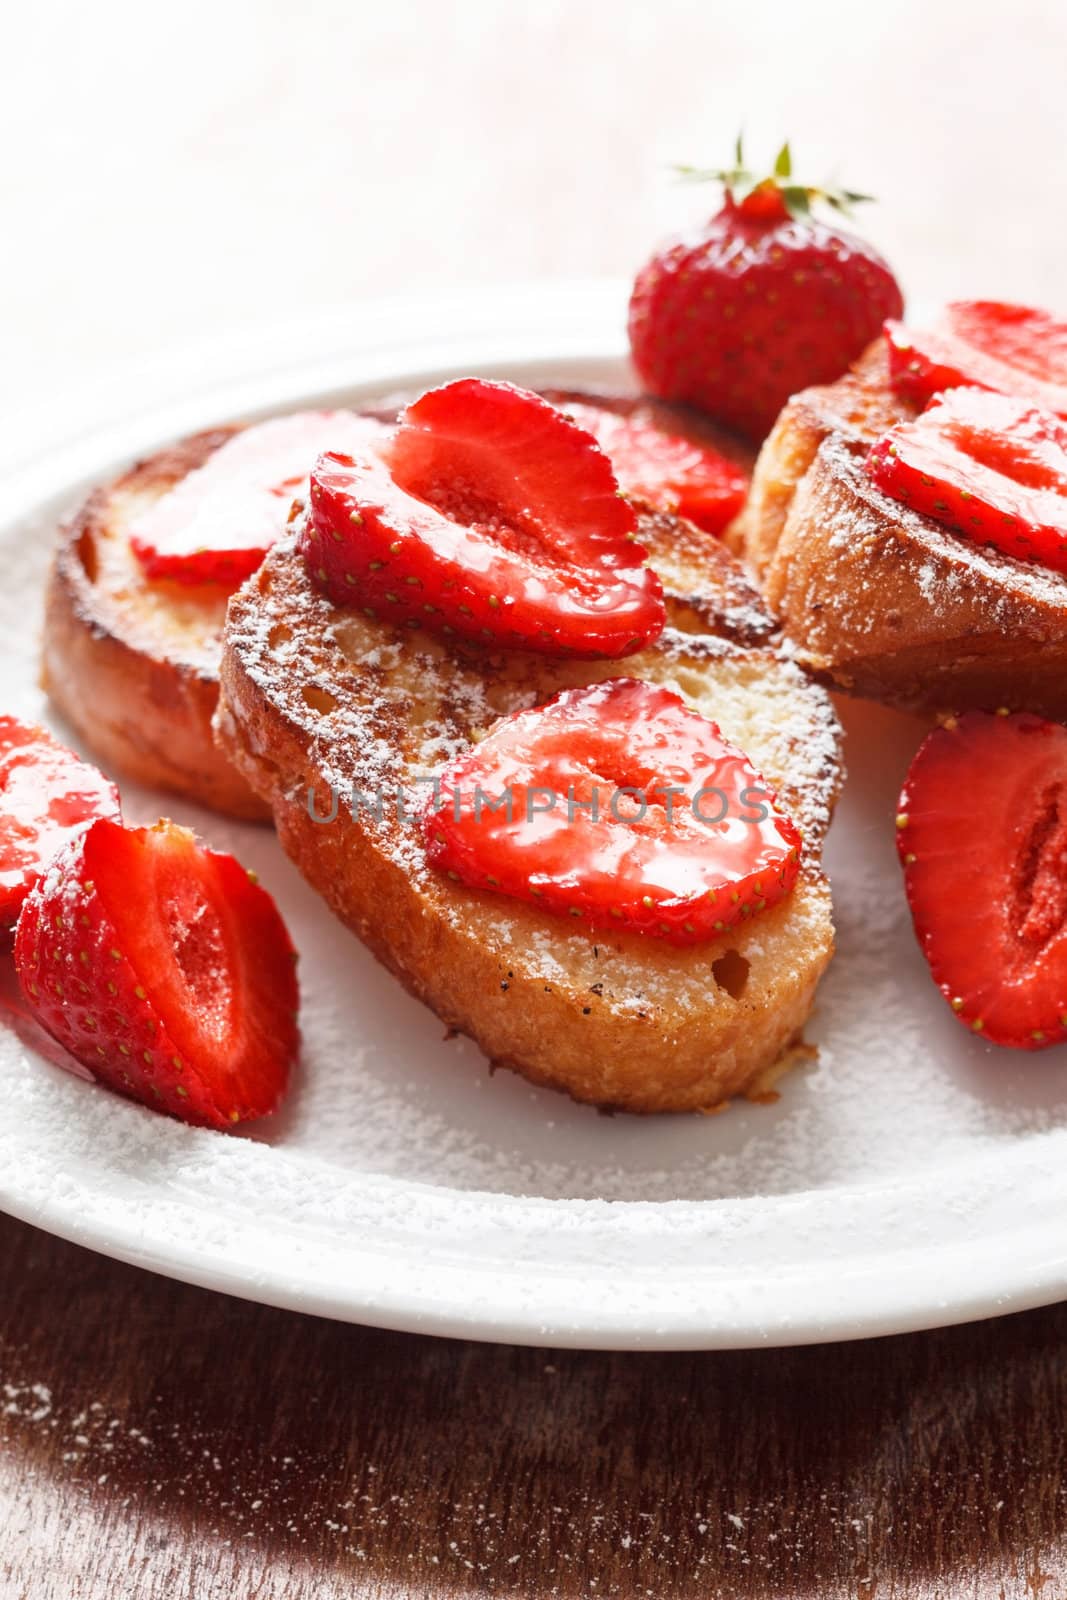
(764, 300)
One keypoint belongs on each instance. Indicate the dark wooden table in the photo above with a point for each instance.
(157, 1440)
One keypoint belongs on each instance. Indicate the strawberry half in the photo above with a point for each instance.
(990, 466)
(982, 833)
(166, 970)
(627, 810)
(986, 344)
(48, 796)
(668, 469)
(217, 523)
(490, 516)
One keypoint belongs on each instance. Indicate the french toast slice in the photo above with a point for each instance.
(880, 600)
(132, 662)
(319, 703)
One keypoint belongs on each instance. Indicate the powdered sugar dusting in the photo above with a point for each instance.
(952, 572)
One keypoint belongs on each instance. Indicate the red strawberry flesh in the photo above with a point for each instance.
(667, 469)
(163, 968)
(986, 344)
(686, 842)
(48, 795)
(989, 466)
(982, 833)
(217, 523)
(488, 516)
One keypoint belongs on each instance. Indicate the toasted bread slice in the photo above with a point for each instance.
(319, 702)
(880, 600)
(133, 662)
(889, 605)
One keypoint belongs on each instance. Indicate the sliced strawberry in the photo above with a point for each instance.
(982, 833)
(489, 516)
(990, 466)
(986, 344)
(165, 969)
(668, 469)
(217, 523)
(48, 796)
(626, 810)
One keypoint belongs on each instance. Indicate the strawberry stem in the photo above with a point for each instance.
(741, 184)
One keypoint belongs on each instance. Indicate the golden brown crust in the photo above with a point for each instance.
(705, 589)
(857, 409)
(879, 600)
(322, 700)
(131, 663)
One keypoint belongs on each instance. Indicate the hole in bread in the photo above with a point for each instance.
(319, 699)
(730, 972)
(280, 634)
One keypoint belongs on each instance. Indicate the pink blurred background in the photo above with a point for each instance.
(194, 170)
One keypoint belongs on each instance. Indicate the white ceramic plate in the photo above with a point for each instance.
(910, 1177)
